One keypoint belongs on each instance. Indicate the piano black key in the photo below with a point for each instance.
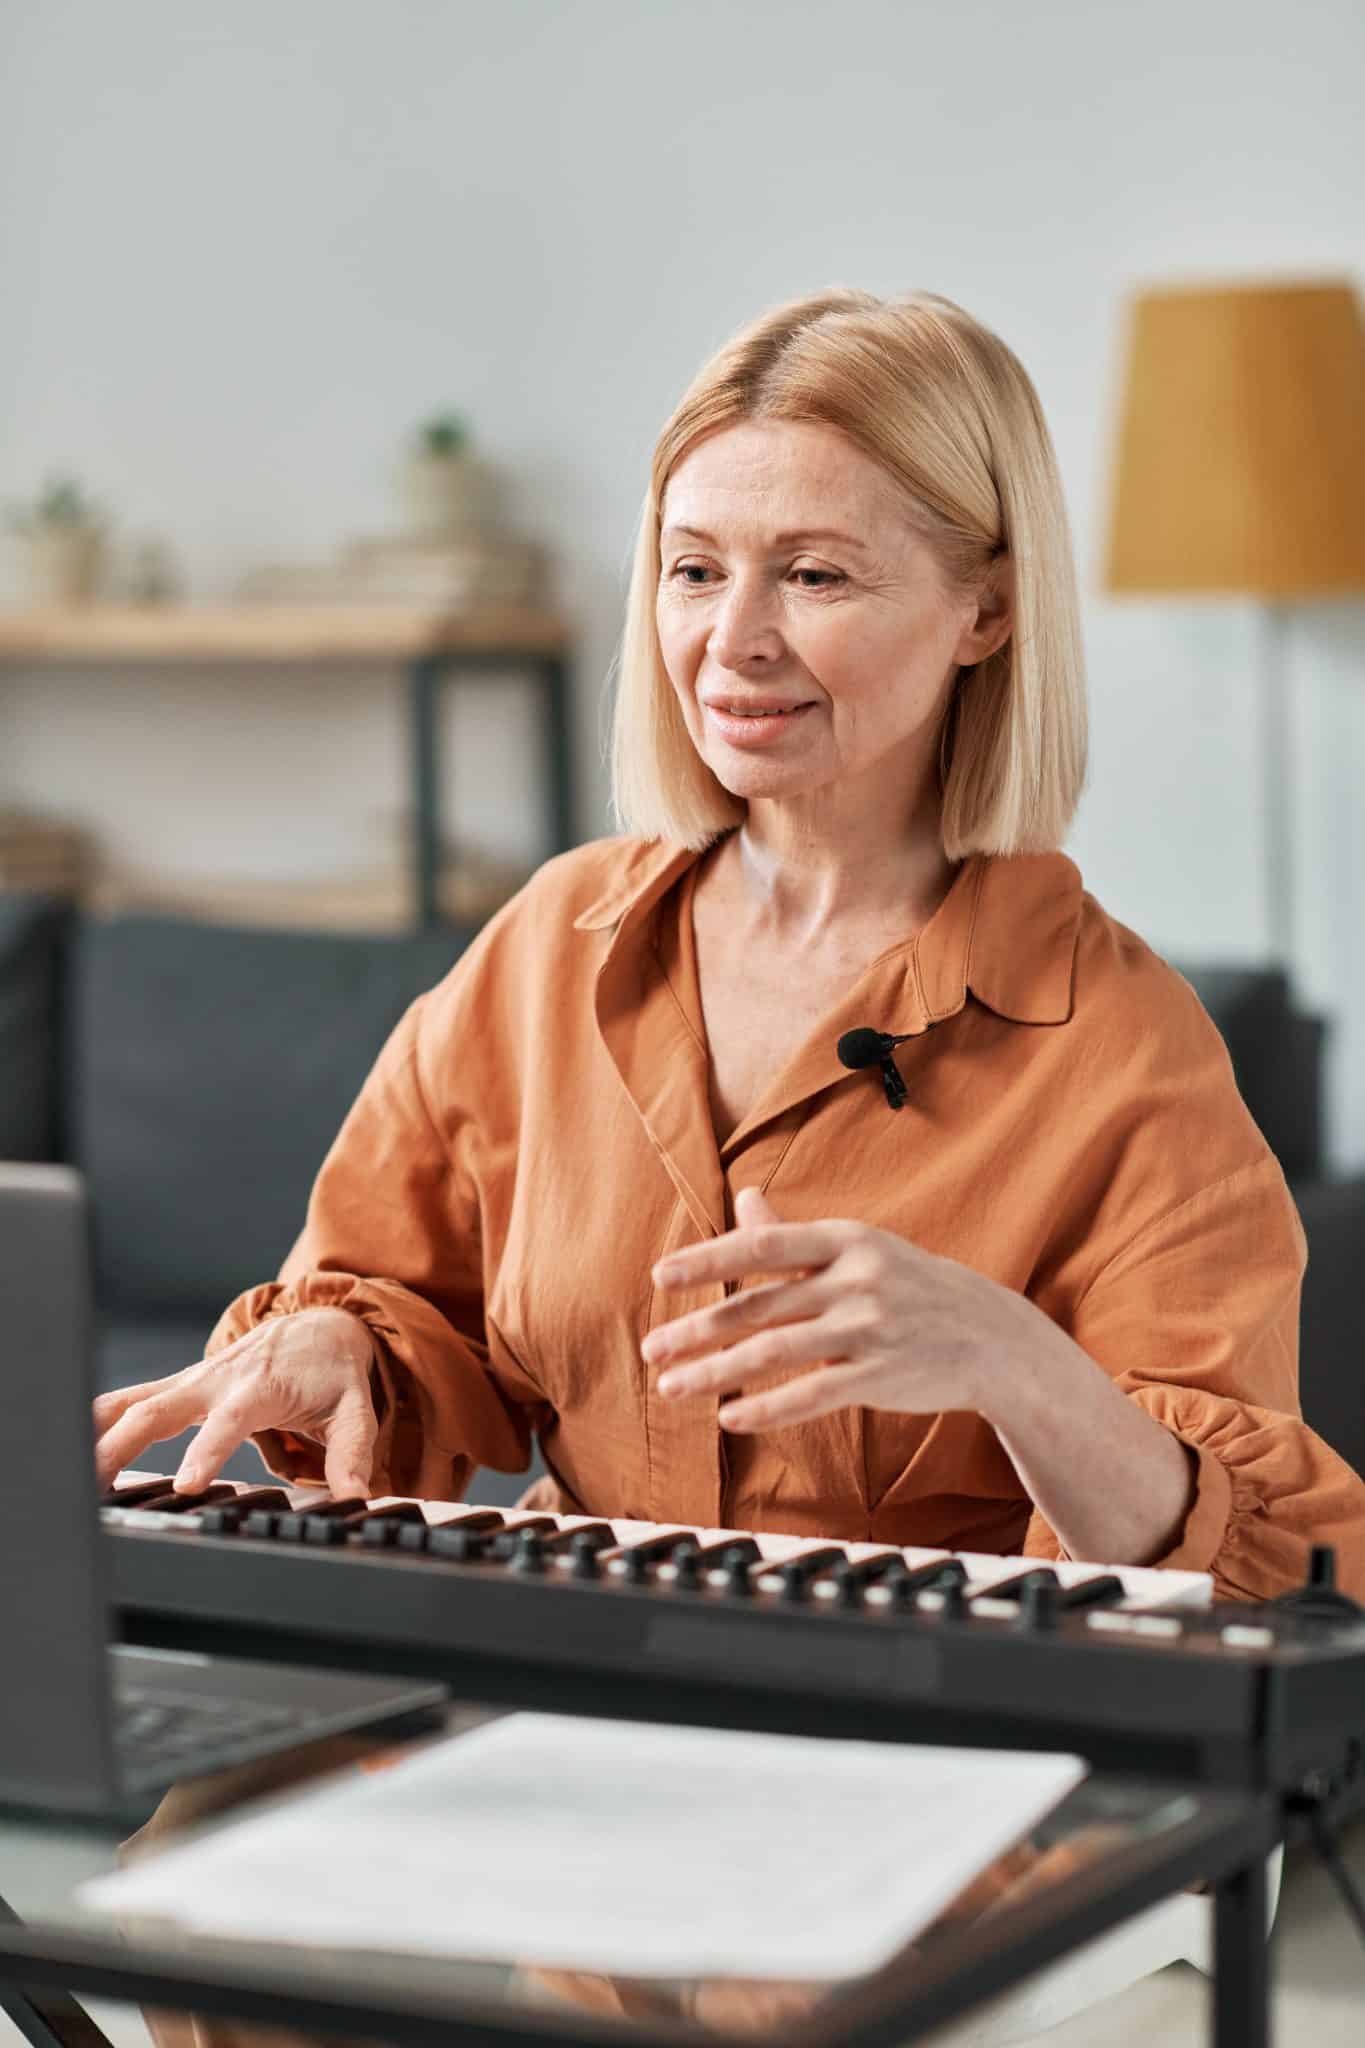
(635, 1559)
(505, 1542)
(169, 1502)
(652, 1549)
(564, 1543)
(475, 1518)
(707, 1564)
(291, 1527)
(847, 1582)
(1104, 1591)
(224, 1517)
(730, 1550)
(340, 1528)
(394, 1511)
(1012, 1589)
(458, 1542)
(794, 1574)
(135, 1495)
(809, 1564)
(939, 1575)
(864, 1571)
(414, 1537)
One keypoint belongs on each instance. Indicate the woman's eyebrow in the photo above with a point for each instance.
(780, 540)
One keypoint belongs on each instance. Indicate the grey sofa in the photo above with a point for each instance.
(197, 1075)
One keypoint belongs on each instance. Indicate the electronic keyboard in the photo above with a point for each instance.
(1132, 1668)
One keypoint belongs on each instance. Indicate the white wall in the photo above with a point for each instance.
(243, 248)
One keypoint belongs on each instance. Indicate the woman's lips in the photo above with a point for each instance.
(754, 729)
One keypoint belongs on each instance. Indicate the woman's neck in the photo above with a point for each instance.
(800, 888)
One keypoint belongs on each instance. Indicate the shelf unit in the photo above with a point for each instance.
(431, 647)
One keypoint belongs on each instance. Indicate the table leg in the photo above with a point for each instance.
(54, 2021)
(1241, 1960)
(424, 680)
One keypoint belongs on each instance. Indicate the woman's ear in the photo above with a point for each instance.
(993, 621)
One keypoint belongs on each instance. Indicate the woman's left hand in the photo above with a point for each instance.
(881, 1322)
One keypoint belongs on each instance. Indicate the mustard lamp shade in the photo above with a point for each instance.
(1240, 456)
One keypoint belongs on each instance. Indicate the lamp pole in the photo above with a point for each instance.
(1278, 742)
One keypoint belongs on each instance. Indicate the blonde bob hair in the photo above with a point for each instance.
(950, 412)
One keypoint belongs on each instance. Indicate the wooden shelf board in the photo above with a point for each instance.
(257, 632)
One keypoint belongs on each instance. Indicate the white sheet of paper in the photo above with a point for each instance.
(614, 1846)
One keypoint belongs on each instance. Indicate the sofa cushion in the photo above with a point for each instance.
(1276, 1054)
(1333, 1214)
(33, 929)
(214, 1068)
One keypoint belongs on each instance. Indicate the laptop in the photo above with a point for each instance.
(87, 1726)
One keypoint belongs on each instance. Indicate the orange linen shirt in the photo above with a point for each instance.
(537, 1132)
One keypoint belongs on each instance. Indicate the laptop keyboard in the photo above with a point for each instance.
(153, 1726)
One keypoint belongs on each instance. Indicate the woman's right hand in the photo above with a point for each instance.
(308, 1372)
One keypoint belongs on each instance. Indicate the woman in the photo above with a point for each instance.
(611, 1183)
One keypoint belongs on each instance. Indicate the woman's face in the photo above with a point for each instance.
(802, 621)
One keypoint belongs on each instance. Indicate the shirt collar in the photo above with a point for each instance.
(1006, 930)
(649, 865)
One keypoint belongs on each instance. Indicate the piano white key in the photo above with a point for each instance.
(115, 1517)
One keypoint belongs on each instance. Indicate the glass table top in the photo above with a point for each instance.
(1107, 1835)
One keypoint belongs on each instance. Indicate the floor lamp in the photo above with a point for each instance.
(1240, 469)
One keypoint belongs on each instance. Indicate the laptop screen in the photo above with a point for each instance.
(55, 1718)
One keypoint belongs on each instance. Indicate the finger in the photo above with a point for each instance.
(767, 1248)
(107, 1408)
(350, 1441)
(822, 1392)
(810, 1343)
(225, 1429)
(753, 1308)
(149, 1421)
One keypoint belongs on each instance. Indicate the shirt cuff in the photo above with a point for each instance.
(1204, 1529)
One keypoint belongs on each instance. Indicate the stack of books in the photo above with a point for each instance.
(470, 887)
(41, 854)
(457, 573)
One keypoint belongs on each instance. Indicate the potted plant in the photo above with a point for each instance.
(446, 489)
(62, 540)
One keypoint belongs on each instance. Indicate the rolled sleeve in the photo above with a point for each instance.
(1197, 1321)
(1204, 1532)
(440, 1412)
(392, 1237)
